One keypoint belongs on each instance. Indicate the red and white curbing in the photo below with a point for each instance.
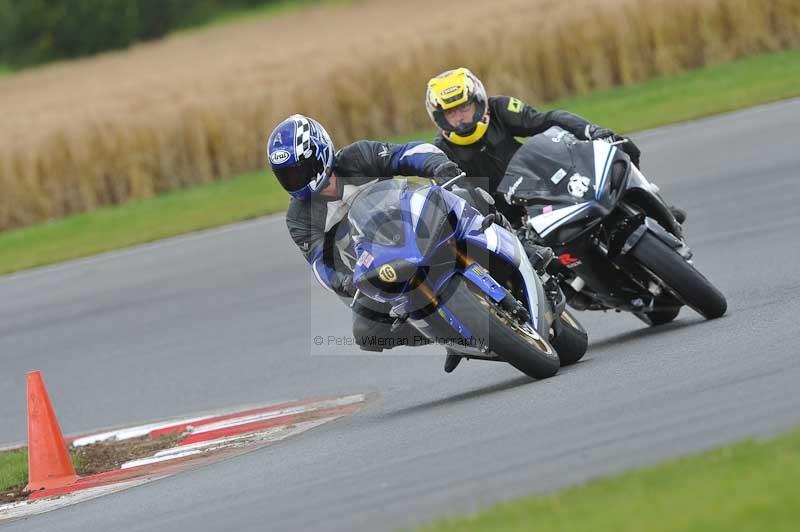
(134, 432)
(18, 510)
(205, 439)
(269, 435)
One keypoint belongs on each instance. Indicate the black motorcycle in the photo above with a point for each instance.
(618, 245)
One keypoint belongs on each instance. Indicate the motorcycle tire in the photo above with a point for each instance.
(518, 344)
(571, 340)
(681, 278)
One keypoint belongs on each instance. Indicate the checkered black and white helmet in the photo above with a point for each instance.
(301, 153)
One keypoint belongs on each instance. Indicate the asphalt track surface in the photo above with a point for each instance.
(226, 317)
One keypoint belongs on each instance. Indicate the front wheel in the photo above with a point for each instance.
(571, 339)
(517, 343)
(680, 277)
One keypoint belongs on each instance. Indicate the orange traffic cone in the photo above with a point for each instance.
(49, 465)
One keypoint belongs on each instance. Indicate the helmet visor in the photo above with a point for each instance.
(294, 177)
(463, 118)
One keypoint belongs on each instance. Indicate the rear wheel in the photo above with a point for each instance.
(571, 340)
(517, 343)
(680, 277)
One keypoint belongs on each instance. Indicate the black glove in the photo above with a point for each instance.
(446, 171)
(595, 133)
(629, 147)
(346, 286)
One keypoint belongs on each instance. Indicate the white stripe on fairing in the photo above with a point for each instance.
(542, 223)
(526, 269)
(606, 173)
(491, 238)
(417, 202)
(638, 179)
(602, 152)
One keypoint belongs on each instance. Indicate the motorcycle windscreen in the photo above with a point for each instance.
(376, 214)
(550, 170)
(435, 223)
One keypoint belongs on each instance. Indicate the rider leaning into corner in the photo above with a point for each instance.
(322, 184)
(478, 132)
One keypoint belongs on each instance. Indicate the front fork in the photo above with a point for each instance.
(636, 224)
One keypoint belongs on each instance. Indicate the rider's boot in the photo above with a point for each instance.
(540, 256)
(451, 361)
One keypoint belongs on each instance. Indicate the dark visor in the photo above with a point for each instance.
(295, 177)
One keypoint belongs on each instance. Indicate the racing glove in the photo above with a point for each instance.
(346, 286)
(594, 133)
(629, 147)
(446, 171)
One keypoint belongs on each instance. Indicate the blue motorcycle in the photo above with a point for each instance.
(458, 278)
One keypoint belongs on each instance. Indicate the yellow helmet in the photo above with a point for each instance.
(451, 89)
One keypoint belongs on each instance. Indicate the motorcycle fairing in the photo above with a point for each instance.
(507, 246)
(547, 222)
(431, 204)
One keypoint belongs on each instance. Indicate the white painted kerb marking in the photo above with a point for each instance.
(269, 435)
(136, 432)
(263, 416)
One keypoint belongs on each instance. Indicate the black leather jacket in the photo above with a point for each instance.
(509, 118)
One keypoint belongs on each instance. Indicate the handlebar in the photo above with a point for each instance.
(451, 182)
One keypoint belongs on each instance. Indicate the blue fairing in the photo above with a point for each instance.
(481, 278)
(425, 222)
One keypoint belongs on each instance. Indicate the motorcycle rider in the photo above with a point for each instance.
(478, 132)
(322, 184)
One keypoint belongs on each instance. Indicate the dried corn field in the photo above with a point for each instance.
(197, 106)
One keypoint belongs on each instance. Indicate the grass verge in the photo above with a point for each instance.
(88, 460)
(750, 486)
(704, 92)
(13, 470)
(244, 197)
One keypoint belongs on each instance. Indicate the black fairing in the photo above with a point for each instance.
(576, 227)
(539, 162)
(540, 174)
